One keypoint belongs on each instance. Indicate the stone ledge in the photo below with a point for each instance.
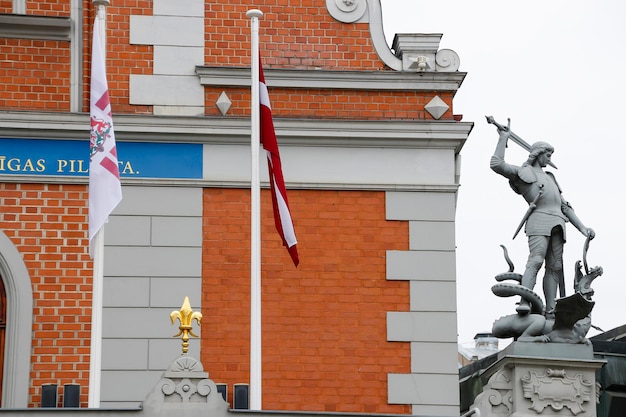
(35, 27)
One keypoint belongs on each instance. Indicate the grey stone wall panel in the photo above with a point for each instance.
(153, 323)
(170, 292)
(172, 90)
(176, 231)
(167, 30)
(127, 230)
(160, 201)
(163, 351)
(177, 60)
(433, 296)
(421, 265)
(193, 8)
(152, 261)
(124, 354)
(421, 327)
(428, 389)
(420, 206)
(434, 358)
(126, 292)
(426, 235)
(127, 385)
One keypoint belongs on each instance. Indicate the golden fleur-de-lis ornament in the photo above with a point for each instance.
(186, 316)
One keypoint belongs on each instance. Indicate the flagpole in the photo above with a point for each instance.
(255, 191)
(95, 352)
(95, 355)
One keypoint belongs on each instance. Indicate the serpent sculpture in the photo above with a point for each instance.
(570, 321)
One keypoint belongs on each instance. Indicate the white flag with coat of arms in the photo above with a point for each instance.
(105, 189)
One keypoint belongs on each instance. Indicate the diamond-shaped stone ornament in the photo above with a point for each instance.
(223, 103)
(436, 107)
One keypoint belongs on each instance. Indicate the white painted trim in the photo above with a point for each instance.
(229, 130)
(21, 26)
(76, 56)
(378, 36)
(18, 341)
(296, 136)
(362, 11)
(19, 6)
(324, 79)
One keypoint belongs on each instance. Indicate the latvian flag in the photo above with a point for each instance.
(282, 216)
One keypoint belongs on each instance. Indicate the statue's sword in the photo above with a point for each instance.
(521, 142)
(531, 207)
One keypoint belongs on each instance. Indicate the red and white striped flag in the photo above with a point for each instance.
(105, 189)
(282, 216)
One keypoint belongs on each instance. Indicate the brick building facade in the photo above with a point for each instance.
(370, 148)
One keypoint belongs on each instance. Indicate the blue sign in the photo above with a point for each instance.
(71, 158)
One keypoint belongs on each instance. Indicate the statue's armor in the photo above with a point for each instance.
(530, 183)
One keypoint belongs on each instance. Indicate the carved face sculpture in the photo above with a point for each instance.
(544, 158)
(540, 150)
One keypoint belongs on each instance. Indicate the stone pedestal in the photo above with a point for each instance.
(541, 379)
(185, 390)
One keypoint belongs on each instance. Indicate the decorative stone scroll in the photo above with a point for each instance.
(346, 11)
(497, 395)
(447, 60)
(416, 52)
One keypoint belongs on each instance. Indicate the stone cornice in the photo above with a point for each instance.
(35, 27)
(229, 130)
(324, 79)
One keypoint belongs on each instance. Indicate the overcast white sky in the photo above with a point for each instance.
(556, 69)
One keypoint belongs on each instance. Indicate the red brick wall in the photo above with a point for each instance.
(317, 355)
(303, 35)
(292, 35)
(48, 225)
(48, 7)
(332, 104)
(123, 59)
(324, 327)
(324, 323)
(35, 75)
(6, 6)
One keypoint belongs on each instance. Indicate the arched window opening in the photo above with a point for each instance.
(3, 327)
(17, 305)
